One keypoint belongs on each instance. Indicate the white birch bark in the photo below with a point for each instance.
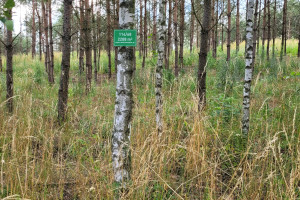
(248, 69)
(121, 159)
(159, 67)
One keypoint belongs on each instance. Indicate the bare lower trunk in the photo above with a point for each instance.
(169, 35)
(116, 27)
(1, 66)
(88, 47)
(181, 31)
(65, 62)
(33, 30)
(108, 37)
(51, 61)
(176, 36)
(255, 29)
(228, 29)
(264, 29)
(145, 35)
(40, 34)
(154, 36)
(216, 31)
(95, 44)
(212, 31)
(9, 68)
(237, 26)
(192, 31)
(121, 158)
(283, 33)
(81, 38)
(299, 41)
(274, 29)
(159, 67)
(269, 31)
(258, 27)
(47, 56)
(248, 69)
(141, 48)
(203, 54)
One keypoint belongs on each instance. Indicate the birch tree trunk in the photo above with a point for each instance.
(65, 63)
(159, 67)
(248, 69)
(203, 54)
(121, 158)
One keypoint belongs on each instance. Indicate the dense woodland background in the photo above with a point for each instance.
(189, 137)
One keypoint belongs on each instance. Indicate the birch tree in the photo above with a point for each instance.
(160, 61)
(248, 69)
(121, 158)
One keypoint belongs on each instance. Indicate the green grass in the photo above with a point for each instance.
(200, 156)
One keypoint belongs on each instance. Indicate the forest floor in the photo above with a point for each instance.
(199, 156)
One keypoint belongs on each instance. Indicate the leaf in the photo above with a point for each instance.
(3, 19)
(9, 4)
(9, 24)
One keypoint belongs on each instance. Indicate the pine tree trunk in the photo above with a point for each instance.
(222, 38)
(203, 54)
(108, 37)
(51, 58)
(154, 36)
(33, 30)
(299, 41)
(216, 31)
(145, 34)
(169, 35)
(40, 34)
(269, 30)
(258, 27)
(159, 67)
(121, 158)
(81, 38)
(274, 29)
(264, 29)
(141, 48)
(248, 69)
(176, 36)
(99, 37)
(192, 32)
(255, 34)
(228, 29)
(9, 68)
(1, 66)
(116, 27)
(47, 56)
(212, 31)
(181, 31)
(94, 43)
(88, 46)
(237, 26)
(65, 62)
(283, 33)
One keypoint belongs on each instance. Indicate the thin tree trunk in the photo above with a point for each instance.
(108, 36)
(274, 29)
(159, 67)
(99, 37)
(222, 39)
(237, 26)
(1, 66)
(169, 35)
(203, 54)
(175, 36)
(255, 29)
(248, 69)
(269, 30)
(228, 29)
(65, 62)
(283, 33)
(94, 43)
(298, 40)
(116, 27)
(51, 61)
(88, 47)
(33, 30)
(40, 34)
(258, 27)
(81, 38)
(212, 31)
(145, 34)
(9, 68)
(264, 29)
(154, 36)
(121, 158)
(141, 48)
(216, 31)
(181, 31)
(192, 32)
(47, 60)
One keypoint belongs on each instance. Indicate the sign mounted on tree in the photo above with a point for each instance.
(125, 38)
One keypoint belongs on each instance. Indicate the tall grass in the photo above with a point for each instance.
(200, 156)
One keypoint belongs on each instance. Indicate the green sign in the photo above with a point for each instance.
(125, 38)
